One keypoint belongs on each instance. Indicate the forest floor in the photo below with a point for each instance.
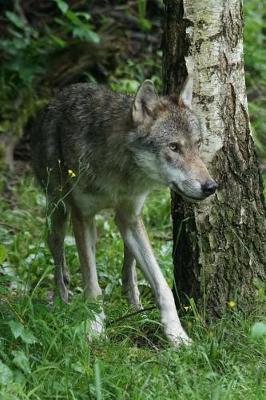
(44, 348)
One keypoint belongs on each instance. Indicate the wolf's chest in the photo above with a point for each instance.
(91, 203)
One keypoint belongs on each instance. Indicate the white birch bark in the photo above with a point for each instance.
(222, 246)
(217, 64)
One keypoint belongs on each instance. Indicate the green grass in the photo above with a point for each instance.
(44, 351)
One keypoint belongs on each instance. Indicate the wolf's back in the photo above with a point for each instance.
(76, 125)
(47, 133)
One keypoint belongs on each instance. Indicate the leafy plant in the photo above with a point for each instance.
(25, 53)
(144, 23)
(76, 23)
(255, 56)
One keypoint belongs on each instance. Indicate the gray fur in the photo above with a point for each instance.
(92, 149)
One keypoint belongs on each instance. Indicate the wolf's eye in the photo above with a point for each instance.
(175, 147)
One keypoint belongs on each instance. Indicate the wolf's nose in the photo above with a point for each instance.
(209, 187)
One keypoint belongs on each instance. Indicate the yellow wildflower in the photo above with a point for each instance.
(71, 173)
(231, 304)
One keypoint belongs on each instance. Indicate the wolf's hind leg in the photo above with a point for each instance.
(57, 223)
(85, 235)
(129, 278)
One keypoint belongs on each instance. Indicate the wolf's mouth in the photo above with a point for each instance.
(176, 189)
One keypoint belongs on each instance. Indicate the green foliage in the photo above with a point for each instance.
(6, 374)
(128, 75)
(44, 350)
(26, 52)
(144, 23)
(255, 40)
(255, 65)
(76, 23)
(19, 331)
(22, 62)
(29, 50)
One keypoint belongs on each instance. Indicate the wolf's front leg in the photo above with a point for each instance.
(85, 236)
(136, 239)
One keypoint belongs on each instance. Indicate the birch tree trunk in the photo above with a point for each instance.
(220, 244)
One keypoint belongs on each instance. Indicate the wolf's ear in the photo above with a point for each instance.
(145, 102)
(186, 93)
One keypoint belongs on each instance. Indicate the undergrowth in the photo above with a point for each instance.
(44, 348)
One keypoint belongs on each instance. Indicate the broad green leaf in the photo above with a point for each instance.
(60, 42)
(78, 367)
(21, 361)
(16, 328)
(86, 34)
(84, 15)
(62, 5)
(92, 36)
(145, 24)
(6, 375)
(28, 337)
(15, 19)
(258, 330)
(71, 16)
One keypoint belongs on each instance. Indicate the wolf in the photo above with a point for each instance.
(93, 149)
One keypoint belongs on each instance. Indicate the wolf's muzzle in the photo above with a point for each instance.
(209, 187)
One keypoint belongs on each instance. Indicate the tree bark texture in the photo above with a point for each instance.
(220, 244)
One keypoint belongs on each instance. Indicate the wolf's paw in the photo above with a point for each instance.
(97, 327)
(181, 341)
(178, 339)
(133, 296)
(62, 295)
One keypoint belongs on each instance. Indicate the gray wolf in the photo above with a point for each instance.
(94, 149)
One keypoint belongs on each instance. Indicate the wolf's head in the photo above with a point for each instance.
(166, 140)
